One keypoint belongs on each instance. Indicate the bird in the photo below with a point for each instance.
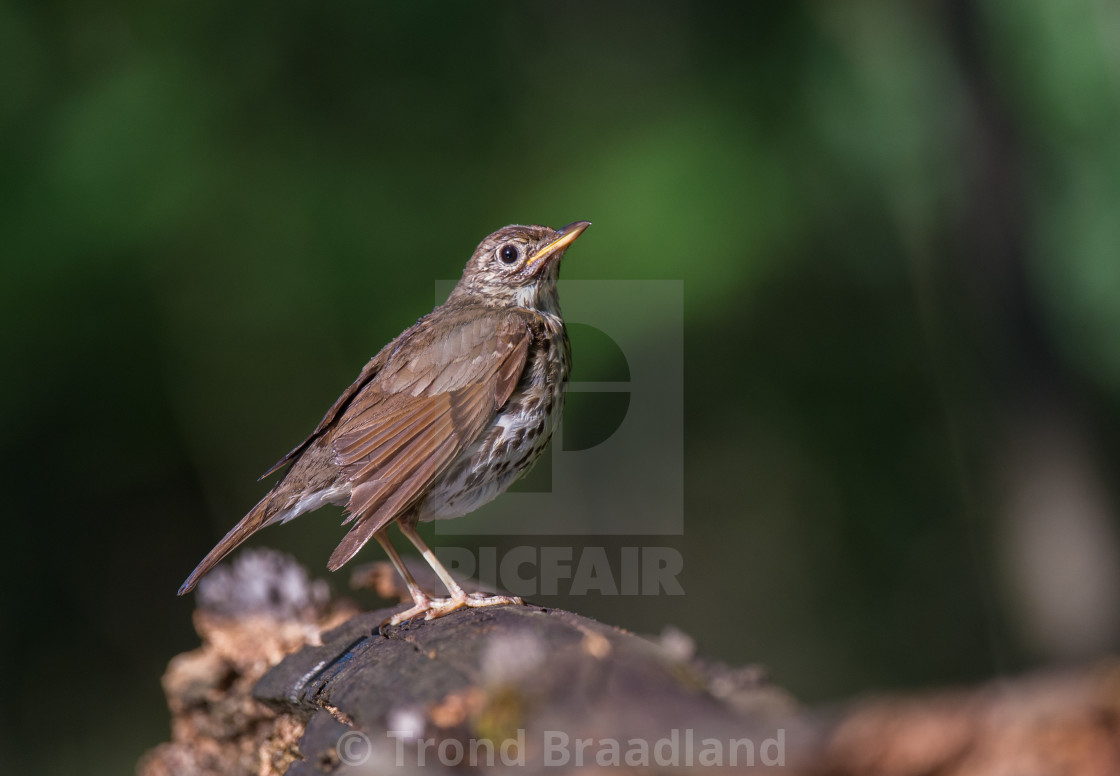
(441, 421)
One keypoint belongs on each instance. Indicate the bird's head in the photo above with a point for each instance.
(518, 266)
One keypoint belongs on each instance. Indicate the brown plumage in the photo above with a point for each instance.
(443, 419)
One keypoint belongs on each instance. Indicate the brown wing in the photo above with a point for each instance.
(421, 411)
(368, 372)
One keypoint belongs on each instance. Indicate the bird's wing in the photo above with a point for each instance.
(369, 371)
(422, 409)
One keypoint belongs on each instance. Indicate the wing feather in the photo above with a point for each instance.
(369, 371)
(404, 429)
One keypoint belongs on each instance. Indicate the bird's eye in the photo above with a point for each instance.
(509, 254)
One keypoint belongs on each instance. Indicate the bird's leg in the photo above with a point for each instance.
(459, 598)
(421, 601)
(444, 575)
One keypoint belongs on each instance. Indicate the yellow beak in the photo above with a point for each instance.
(564, 238)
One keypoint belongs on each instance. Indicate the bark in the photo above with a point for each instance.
(320, 688)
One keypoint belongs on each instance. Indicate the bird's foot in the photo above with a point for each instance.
(421, 605)
(432, 608)
(441, 606)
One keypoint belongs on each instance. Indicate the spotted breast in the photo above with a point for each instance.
(518, 434)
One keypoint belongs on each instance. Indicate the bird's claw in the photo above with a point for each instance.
(432, 608)
(442, 606)
(420, 607)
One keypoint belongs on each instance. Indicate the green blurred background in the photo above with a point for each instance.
(898, 227)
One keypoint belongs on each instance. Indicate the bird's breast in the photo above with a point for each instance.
(515, 438)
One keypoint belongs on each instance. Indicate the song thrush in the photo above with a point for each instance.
(442, 420)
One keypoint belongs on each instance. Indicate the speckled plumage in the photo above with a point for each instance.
(444, 418)
(518, 434)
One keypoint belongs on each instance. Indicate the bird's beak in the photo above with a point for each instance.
(564, 238)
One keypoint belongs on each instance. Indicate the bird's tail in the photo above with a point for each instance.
(265, 512)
